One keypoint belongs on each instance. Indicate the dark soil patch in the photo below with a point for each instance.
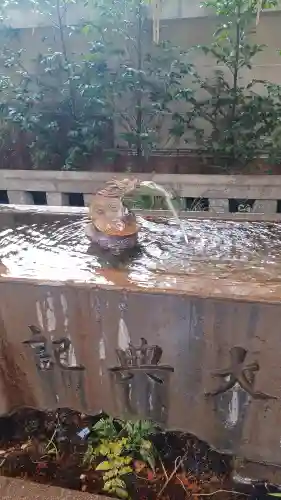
(45, 447)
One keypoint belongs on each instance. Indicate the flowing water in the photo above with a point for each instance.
(169, 201)
(238, 252)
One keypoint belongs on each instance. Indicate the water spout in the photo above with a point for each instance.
(113, 226)
(169, 201)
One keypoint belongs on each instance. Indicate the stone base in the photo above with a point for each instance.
(247, 474)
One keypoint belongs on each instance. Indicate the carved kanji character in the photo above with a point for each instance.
(239, 373)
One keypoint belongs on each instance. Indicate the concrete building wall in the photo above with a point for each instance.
(21, 16)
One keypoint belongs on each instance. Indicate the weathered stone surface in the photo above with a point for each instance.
(219, 206)
(202, 357)
(11, 489)
(265, 206)
(196, 336)
(214, 187)
(20, 197)
(56, 199)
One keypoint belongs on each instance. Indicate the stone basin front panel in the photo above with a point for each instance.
(207, 366)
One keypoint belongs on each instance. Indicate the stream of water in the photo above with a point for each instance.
(169, 202)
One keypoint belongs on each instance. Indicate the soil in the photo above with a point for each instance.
(45, 447)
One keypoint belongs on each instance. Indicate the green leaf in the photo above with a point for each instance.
(117, 483)
(86, 29)
(121, 493)
(146, 445)
(103, 466)
(107, 486)
(123, 471)
(110, 474)
(105, 428)
(148, 458)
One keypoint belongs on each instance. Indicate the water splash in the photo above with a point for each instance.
(169, 201)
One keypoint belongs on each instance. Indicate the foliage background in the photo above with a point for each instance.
(71, 93)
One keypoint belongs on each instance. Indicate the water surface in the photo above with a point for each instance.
(239, 252)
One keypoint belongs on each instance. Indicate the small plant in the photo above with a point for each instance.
(119, 443)
(59, 108)
(146, 78)
(117, 465)
(73, 106)
(233, 118)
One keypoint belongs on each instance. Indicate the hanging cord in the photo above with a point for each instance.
(156, 11)
(259, 8)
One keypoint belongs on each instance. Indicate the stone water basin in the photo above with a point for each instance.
(188, 335)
